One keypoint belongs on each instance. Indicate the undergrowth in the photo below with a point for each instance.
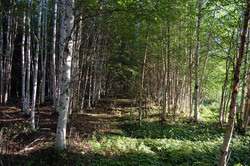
(178, 141)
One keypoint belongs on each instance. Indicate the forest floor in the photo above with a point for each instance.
(108, 134)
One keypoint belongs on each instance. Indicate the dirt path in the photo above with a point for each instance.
(18, 139)
(106, 114)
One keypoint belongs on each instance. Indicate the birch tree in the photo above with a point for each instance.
(23, 62)
(241, 108)
(8, 55)
(33, 100)
(66, 77)
(223, 156)
(28, 63)
(196, 88)
(54, 55)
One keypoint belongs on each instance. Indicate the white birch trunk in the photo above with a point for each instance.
(23, 63)
(66, 77)
(196, 88)
(54, 56)
(33, 100)
(7, 59)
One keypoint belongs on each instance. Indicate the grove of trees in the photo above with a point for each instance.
(180, 55)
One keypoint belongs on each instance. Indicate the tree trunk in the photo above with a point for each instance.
(221, 113)
(61, 51)
(226, 143)
(196, 88)
(164, 59)
(66, 77)
(33, 100)
(1, 58)
(168, 77)
(241, 108)
(208, 48)
(23, 62)
(54, 56)
(223, 93)
(44, 59)
(247, 105)
(27, 93)
(191, 80)
(8, 56)
(176, 91)
(143, 75)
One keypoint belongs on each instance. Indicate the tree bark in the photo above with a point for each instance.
(44, 59)
(61, 49)
(165, 79)
(66, 77)
(54, 56)
(191, 80)
(168, 77)
(247, 105)
(223, 93)
(23, 62)
(229, 132)
(28, 63)
(221, 111)
(143, 75)
(33, 100)
(1, 58)
(196, 87)
(241, 108)
(8, 56)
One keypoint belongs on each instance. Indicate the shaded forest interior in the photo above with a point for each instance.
(126, 82)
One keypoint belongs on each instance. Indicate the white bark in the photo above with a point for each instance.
(7, 59)
(66, 77)
(33, 100)
(27, 93)
(54, 56)
(23, 62)
(196, 88)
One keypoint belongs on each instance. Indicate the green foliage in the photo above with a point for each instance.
(159, 143)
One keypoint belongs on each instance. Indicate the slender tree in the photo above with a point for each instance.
(28, 63)
(54, 55)
(33, 100)
(143, 74)
(1, 58)
(247, 105)
(196, 87)
(44, 57)
(8, 55)
(66, 67)
(223, 157)
(23, 62)
(241, 107)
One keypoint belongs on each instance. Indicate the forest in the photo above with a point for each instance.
(124, 82)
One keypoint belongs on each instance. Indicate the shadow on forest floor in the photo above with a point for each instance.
(104, 135)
